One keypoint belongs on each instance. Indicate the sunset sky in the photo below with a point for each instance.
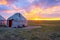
(31, 9)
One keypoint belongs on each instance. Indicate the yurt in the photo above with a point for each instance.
(2, 21)
(17, 20)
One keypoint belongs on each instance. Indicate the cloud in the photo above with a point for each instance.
(38, 12)
(50, 10)
(31, 9)
(3, 2)
(46, 3)
(4, 7)
(31, 1)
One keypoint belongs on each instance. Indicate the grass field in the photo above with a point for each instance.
(50, 31)
(43, 22)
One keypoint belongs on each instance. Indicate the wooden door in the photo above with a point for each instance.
(10, 23)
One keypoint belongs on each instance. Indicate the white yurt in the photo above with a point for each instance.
(17, 20)
(2, 21)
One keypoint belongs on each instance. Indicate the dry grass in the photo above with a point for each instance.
(49, 31)
(27, 34)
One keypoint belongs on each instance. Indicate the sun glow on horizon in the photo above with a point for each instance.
(44, 19)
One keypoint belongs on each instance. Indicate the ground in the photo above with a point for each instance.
(42, 30)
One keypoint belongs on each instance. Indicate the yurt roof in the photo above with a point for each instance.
(2, 18)
(17, 16)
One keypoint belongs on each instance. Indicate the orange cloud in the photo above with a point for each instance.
(3, 2)
(54, 9)
(35, 10)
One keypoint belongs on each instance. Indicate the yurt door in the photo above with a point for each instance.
(10, 23)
